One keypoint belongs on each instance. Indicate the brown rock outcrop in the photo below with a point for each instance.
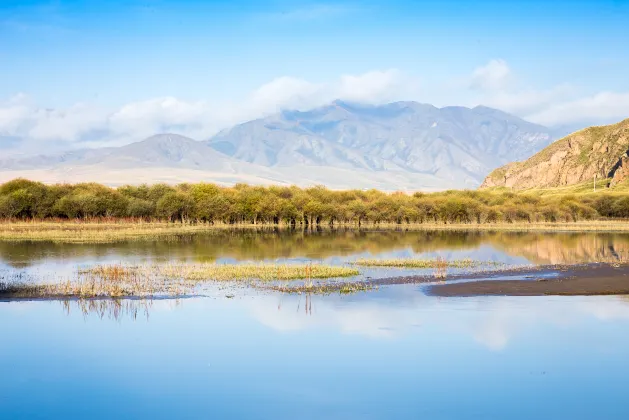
(621, 172)
(572, 160)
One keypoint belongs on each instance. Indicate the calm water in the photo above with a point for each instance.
(390, 353)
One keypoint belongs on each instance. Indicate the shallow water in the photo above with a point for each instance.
(389, 353)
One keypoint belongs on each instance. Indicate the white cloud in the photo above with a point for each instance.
(527, 101)
(558, 105)
(601, 108)
(493, 85)
(90, 125)
(494, 75)
(286, 92)
(376, 86)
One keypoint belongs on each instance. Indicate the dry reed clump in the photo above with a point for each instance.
(423, 263)
(101, 282)
(119, 281)
(441, 269)
(326, 288)
(263, 272)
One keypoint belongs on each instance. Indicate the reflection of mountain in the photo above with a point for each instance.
(540, 248)
(565, 248)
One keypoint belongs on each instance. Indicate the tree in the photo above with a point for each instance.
(175, 206)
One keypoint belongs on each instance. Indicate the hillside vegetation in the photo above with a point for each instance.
(599, 152)
(243, 204)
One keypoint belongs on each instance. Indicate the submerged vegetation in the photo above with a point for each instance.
(422, 263)
(263, 272)
(147, 281)
(220, 272)
(214, 205)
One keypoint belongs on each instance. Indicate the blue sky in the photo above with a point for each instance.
(138, 62)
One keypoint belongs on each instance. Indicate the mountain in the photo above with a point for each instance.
(398, 146)
(159, 158)
(167, 150)
(456, 144)
(595, 151)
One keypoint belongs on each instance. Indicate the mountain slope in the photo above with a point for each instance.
(398, 146)
(456, 144)
(172, 158)
(170, 150)
(577, 158)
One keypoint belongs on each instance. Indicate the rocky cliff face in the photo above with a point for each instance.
(579, 157)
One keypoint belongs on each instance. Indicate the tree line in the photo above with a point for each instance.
(240, 204)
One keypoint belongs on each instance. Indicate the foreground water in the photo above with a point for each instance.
(389, 353)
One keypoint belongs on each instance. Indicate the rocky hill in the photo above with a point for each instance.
(577, 158)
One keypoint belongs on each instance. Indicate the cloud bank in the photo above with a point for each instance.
(493, 84)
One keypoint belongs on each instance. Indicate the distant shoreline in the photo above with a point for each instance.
(111, 231)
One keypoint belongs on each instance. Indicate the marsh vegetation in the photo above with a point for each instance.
(423, 263)
(173, 280)
(242, 204)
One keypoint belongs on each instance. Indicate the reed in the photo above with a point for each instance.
(147, 281)
(326, 288)
(423, 263)
(263, 272)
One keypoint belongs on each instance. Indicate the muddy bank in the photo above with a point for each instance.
(588, 279)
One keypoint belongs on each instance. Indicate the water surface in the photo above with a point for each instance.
(389, 353)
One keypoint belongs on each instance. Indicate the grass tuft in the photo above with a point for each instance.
(422, 263)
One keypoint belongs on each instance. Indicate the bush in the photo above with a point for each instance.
(205, 202)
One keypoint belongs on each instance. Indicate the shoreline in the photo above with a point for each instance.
(113, 231)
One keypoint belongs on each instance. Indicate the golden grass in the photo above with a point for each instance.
(118, 281)
(96, 232)
(101, 282)
(263, 272)
(110, 232)
(421, 263)
(343, 288)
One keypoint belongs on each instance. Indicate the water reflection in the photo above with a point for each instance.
(112, 309)
(390, 312)
(538, 248)
(391, 354)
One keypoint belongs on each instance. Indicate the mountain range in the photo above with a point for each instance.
(397, 146)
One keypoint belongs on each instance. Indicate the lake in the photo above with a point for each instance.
(394, 352)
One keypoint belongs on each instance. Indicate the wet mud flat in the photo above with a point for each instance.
(571, 280)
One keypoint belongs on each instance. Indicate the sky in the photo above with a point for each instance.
(86, 73)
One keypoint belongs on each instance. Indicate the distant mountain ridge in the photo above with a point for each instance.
(397, 146)
(453, 143)
(599, 151)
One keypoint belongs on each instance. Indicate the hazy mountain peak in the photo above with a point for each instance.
(342, 144)
(452, 142)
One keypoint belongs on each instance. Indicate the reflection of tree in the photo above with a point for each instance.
(114, 309)
(272, 244)
(246, 245)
